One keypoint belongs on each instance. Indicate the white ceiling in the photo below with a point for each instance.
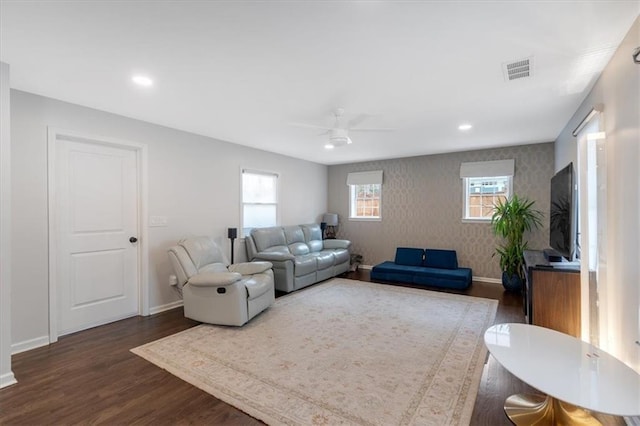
(243, 71)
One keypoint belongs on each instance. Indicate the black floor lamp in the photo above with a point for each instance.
(232, 233)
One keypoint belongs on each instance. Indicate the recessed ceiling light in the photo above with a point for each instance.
(464, 127)
(142, 80)
(329, 146)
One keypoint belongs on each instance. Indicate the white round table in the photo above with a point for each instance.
(571, 372)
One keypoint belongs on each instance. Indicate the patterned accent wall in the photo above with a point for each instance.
(422, 202)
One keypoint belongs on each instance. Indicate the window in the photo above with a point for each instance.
(365, 201)
(259, 200)
(485, 184)
(483, 193)
(365, 195)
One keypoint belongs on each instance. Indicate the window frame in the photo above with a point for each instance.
(276, 177)
(353, 207)
(466, 218)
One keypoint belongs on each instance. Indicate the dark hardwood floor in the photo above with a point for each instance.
(92, 377)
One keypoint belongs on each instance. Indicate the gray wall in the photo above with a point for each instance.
(422, 200)
(193, 180)
(618, 89)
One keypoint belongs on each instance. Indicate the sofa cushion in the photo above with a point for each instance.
(182, 264)
(214, 267)
(336, 244)
(298, 249)
(293, 234)
(214, 279)
(445, 259)
(250, 268)
(257, 285)
(390, 266)
(203, 251)
(266, 238)
(324, 259)
(278, 249)
(450, 278)
(341, 255)
(453, 274)
(409, 256)
(313, 236)
(304, 264)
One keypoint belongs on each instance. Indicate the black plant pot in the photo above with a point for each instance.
(511, 283)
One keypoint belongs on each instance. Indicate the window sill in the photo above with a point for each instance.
(487, 221)
(365, 219)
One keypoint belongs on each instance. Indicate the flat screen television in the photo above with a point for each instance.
(562, 215)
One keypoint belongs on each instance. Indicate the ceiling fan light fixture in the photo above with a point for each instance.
(340, 140)
(329, 146)
(142, 80)
(465, 127)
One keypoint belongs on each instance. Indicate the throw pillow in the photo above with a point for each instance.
(444, 259)
(409, 256)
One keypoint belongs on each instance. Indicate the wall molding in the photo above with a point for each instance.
(487, 280)
(27, 345)
(161, 308)
(7, 379)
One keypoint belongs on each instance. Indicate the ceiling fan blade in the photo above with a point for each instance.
(358, 119)
(309, 126)
(372, 129)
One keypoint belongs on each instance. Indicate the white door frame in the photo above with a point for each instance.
(53, 134)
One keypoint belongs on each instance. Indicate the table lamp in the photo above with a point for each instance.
(331, 219)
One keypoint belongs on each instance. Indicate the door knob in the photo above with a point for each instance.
(133, 239)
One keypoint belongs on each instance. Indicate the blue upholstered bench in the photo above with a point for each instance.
(430, 267)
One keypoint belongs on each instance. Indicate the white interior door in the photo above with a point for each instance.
(96, 218)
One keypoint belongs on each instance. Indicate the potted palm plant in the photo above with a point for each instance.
(510, 219)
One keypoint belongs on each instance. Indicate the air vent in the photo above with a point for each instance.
(518, 69)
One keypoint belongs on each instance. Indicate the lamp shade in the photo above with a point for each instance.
(331, 219)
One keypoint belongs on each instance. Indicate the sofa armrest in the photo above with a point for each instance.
(336, 244)
(250, 268)
(275, 256)
(214, 279)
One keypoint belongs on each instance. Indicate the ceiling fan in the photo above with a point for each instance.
(339, 133)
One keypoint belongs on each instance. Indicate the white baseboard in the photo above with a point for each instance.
(487, 280)
(27, 345)
(7, 379)
(162, 308)
(366, 267)
(38, 342)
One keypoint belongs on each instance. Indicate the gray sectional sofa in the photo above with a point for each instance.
(299, 255)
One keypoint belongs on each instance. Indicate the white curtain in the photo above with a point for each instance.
(592, 219)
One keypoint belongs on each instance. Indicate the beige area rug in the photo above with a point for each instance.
(342, 352)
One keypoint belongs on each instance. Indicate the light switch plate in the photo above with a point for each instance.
(158, 221)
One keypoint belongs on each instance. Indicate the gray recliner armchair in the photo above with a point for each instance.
(215, 292)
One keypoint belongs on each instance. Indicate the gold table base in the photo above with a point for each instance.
(539, 410)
